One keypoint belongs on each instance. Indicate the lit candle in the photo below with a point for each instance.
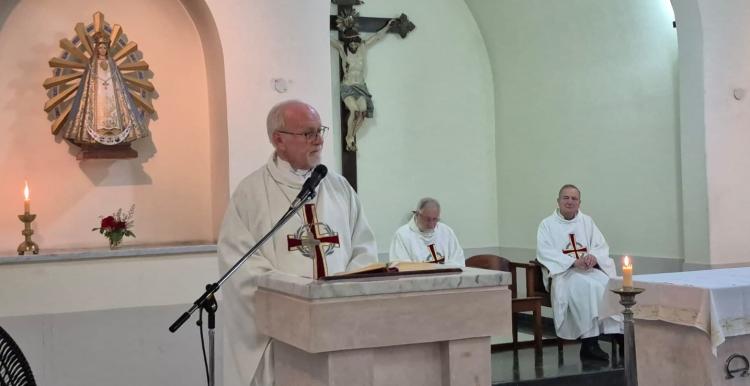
(627, 272)
(26, 201)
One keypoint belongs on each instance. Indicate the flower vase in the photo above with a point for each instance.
(117, 226)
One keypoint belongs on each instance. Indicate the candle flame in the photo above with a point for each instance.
(26, 191)
(626, 261)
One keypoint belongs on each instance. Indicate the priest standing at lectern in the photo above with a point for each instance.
(295, 131)
(576, 257)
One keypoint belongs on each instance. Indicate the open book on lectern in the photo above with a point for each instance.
(394, 268)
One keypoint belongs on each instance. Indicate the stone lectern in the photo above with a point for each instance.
(404, 330)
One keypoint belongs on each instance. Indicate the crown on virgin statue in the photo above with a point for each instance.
(101, 37)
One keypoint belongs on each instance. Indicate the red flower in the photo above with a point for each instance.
(108, 222)
(117, 226)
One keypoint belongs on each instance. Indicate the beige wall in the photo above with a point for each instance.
(263, 41)
(214, 64)
(169, 183)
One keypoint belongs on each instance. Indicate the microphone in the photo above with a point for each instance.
(308, 188)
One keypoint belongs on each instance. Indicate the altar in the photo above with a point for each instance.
(405, 330)
(691, 328)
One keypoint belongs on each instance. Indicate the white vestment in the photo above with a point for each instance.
(411, 244)
(576, 293)
(257, 204)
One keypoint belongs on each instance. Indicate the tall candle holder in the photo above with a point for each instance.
(627, 299)
(27, 245)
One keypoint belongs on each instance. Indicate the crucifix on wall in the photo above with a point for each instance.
(356, 100)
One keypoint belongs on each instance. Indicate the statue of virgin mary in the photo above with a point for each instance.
(103, 111)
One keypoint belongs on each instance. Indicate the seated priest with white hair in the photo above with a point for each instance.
(425, 239)
(259, 201)
(576, 257)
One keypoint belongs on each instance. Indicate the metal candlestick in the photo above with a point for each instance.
(27, 245)
(627, 299)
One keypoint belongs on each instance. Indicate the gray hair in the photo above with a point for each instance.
(275, 119)
(566, 186)
(423, 202)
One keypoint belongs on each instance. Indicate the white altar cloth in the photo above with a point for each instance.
(715, 301)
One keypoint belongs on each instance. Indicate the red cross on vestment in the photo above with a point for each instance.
(435, 255)
(310, 240)
(574, 247)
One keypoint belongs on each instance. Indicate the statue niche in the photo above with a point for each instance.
(98, 108)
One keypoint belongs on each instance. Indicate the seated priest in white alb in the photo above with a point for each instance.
(425, 238)
(576, 258)
(259, 201)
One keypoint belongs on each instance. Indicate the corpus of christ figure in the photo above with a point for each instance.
(354, 93)
(352, 49)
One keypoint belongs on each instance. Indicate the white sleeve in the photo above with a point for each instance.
(455, 253)
(398, 250)
(235, 239)
(600, 250)
(364, 248)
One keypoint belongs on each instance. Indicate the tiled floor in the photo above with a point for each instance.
(526, 368)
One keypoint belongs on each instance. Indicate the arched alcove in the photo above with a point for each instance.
(214, 57)
(692, 131)
(714, 77)
(179, 183)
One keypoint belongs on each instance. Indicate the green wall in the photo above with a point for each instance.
(586, 93)
(433, 133)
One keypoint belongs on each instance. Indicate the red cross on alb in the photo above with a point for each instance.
(574, 247)
(435, 255)
(315, 241)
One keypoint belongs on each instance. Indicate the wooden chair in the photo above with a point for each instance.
(535, 283)
(535, 287)
(528, 304)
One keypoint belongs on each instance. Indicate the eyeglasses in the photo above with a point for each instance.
(428, 219)
(309, 135)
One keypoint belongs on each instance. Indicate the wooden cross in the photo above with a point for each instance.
(349, 24)
(312, 244)
(574, 247)
(435, 255)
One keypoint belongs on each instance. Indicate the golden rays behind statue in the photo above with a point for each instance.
(98, 92)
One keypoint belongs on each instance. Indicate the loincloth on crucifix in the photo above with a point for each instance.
(358, 91)
(352, 48)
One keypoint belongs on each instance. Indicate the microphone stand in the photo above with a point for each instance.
(207, 301)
